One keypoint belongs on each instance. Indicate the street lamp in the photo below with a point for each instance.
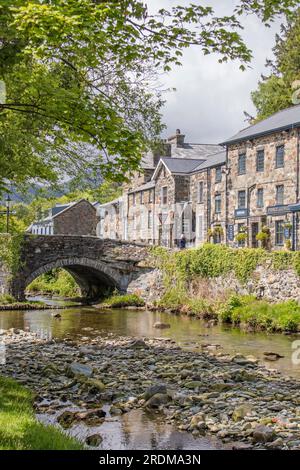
(8, 202)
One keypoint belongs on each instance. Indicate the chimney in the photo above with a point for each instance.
(177, 139)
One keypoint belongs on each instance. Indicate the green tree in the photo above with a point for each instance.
(276, 91)
(81, 78)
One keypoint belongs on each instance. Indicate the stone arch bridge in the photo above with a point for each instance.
(94, 263)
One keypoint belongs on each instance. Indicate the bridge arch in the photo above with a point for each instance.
(92, 276)
(94, 263)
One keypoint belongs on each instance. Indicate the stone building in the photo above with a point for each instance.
(75, 218)
(157, 206)
(262, 180)
(243, 192)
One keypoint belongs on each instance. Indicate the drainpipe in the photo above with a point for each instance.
(249, 191)
(226, 197)
(208, 199)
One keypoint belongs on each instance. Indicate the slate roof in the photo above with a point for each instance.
(143, 187)
(186, 151)
(195, 151)
(213, 160)
(286, 119)
(181, 165)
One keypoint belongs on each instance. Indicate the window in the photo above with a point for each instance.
(141, 197)
(200, 227)
(218, 174)
(260, 198)
(241, 229)
(218, 203)
(149, 219)
(164, 195)
(242, 164)
(200, 192)
(280, 156)
(260, 160)
(133, 199)
(242, 199)
(279, 231)
(280, 194)
(151, 195)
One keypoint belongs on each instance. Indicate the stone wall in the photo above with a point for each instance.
(81, 219)
(273, 286)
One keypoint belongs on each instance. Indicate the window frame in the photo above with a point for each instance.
(260, 152)
(200, 192)
(279, 234)
(281, 201)
(238, 199)
(260, 198)
(218, 203)
(164, 198)
(281, 165)
(244, 170)
(218, 174)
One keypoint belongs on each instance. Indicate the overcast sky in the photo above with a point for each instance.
(211, 97)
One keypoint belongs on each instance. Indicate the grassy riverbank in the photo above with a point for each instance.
(19, 429)
(244, 311)
(122, 301)
(7, 302)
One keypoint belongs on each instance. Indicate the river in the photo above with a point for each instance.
(136, 430)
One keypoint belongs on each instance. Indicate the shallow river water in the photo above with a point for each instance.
(136, 430)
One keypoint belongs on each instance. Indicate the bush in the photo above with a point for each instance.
(121, 301)
(6, 299)
(57, 282)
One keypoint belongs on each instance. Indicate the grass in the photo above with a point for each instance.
(238, 311)
(19, 429)
(121, 301)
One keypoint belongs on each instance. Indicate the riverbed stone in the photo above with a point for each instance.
(157, 400)
(94, 440)
(154, 389)
(76, 368)
(263, 433)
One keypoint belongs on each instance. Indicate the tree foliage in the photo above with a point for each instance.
(277, 90)
(81, 78)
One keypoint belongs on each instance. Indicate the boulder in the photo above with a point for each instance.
(154, 389)
(75, 368)
(263, 433)
(158, 400)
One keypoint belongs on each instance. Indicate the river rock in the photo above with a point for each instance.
(138, 344)
(263, 433)
(66, 419)
(158, 400)
(79, 369)
(95, 384)
(161, 325)
(91, 417)
(153, 390)
(240, 412)
(94, 440)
